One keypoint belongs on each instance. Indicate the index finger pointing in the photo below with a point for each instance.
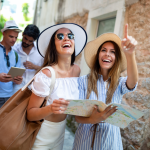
(126, 31)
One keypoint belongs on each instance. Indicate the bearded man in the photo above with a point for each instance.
(31, 60)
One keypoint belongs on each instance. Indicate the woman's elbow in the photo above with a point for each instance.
(29, 116)
(131, 85)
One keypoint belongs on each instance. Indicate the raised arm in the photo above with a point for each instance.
(128, 46)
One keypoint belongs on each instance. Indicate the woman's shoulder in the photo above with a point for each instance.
(121, 79)
(46, 72)
(76, 70)
(83, 79)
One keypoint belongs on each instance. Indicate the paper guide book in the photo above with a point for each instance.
(121, 118)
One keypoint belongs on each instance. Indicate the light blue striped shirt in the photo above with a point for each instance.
(107, 136)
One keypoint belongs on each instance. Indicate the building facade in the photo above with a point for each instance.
(1, 4)
(100, 16)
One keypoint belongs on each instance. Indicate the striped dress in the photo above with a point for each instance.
(108, 136)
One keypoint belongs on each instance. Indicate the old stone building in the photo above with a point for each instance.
(1, 4)
(97, 17)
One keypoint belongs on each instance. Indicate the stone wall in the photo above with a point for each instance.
(137, 135)
(80, 7)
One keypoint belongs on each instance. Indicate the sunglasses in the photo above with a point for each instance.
(8, 63)
(61, 36)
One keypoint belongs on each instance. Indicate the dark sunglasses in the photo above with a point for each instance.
(61, 36)
(8, 63)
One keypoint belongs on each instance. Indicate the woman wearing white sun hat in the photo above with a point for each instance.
(107, 56)
(58, 44)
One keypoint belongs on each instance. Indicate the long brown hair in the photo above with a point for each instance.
(51, 56)
(113, 75)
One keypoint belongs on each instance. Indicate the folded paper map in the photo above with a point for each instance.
(121, 118)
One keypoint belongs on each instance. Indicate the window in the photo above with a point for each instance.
(106, 25)
(108, 18)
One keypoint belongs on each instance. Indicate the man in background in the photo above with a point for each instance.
(31, 60)
(8, 58)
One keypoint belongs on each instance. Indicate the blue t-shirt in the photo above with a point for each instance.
(6, 88)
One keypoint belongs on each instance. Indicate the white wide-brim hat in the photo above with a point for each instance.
(10, 25)
(92, 47)
(45, 36)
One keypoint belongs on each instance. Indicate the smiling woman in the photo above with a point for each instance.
(65, 43)
(58, 47)
(107, 56)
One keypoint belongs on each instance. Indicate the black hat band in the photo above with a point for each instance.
(12, 27)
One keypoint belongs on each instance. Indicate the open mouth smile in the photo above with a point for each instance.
(106, 60)
(66, 46)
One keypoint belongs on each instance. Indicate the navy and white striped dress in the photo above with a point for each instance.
(107, 136)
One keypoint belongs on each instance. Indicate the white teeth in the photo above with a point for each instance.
(66, 45)
(106, 60)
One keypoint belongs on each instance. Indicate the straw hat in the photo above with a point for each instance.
(10, 25)
(45, 36)
(91, 49)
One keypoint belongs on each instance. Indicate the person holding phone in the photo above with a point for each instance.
(9, 58)
(107, 56)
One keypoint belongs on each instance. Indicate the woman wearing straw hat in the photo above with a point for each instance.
(107, 57)
(58, 44)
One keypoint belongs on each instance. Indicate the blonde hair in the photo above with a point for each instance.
(113, 75)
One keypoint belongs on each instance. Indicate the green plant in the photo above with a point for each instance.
(2, 22)
(25, 10)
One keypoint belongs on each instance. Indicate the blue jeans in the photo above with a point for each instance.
(3, 100)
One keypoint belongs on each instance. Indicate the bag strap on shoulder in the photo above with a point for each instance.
(53, 79)
(16, 55)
